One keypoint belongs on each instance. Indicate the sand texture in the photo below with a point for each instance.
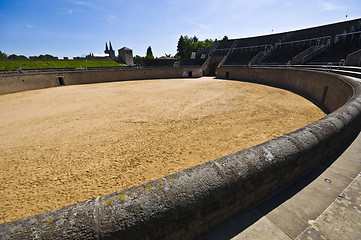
(63, 145)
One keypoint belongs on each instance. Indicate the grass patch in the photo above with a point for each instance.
(13, 65)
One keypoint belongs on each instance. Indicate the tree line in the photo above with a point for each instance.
(186, 45)
(4, 56)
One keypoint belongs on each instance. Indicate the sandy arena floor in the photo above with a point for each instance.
(63, 145)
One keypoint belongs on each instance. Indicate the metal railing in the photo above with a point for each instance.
(325, 40)
(345, 34)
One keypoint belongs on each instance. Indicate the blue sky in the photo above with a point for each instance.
(68, 28)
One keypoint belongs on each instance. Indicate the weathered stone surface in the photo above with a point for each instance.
(341, 219)
(187, 203)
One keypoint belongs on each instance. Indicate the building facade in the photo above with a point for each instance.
(125, 55)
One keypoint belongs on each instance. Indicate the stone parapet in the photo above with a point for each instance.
(188, 203)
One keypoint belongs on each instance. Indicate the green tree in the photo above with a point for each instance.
(187, 45)
(149, 53)
(17, 57)
(181, 48)
(3, 55)
(137, 60)
(13, 56)
(90, 56)
(46, 57)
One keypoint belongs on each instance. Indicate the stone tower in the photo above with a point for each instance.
(126, 56)
(109, 50)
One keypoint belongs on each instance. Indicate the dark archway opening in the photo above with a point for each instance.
(61, 81)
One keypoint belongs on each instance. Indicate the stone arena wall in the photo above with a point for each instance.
(188, 203)
(23, 82)
(327, 91)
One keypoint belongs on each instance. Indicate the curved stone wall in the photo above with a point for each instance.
(188, 203)
(11, 83)
(327, 90)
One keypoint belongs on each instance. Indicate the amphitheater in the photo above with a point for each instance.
(128, 153)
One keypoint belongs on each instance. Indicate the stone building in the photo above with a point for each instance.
(109, 50)
(126, 56)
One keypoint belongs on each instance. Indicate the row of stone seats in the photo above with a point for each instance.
(327, 30)
(241, 58)
(283, 56)
(338, 51)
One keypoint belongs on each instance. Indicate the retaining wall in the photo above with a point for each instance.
(23, 82)
(188, 203)
(327, 90)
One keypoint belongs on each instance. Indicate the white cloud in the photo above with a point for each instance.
(82, 3)
(70, 11)
(330, 6)
(199, 25)
(30, 26)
